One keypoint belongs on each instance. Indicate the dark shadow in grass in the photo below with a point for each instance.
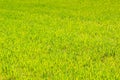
(108, 54)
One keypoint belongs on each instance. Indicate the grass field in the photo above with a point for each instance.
(59, 39)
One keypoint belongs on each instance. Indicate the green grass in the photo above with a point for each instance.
(59, 39)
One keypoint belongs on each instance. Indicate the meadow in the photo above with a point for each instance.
(59, 39)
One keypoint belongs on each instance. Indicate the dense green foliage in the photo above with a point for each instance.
(59, 39)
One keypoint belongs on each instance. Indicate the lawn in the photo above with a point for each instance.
(59, 39)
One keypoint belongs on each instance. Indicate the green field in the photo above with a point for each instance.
(59, 39)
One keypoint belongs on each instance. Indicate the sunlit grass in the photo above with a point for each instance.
(59, 40)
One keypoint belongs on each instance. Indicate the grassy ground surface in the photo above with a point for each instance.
(59, 39)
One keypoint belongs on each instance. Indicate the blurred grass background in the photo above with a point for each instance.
(59, 40)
